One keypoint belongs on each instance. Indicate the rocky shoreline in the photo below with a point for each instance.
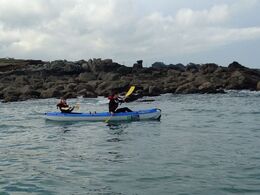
(33, 79)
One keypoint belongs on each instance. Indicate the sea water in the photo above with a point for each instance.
(204, 144)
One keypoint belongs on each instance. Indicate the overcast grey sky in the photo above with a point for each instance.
(171, 31)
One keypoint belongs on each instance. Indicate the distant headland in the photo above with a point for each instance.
(34, 79)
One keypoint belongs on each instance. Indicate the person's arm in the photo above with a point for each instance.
(120, 100)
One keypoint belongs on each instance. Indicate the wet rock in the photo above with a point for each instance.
(187, 88)
(240, 80)
(86, 76)
(52, 92)
(84, 86)
(21, 79)
(98, 65)
(62, 67)
(159, 65)
(123, 70)
(173, 73)
(236, 66)
(154, 91)
(258, 86)
(207, 87)
(208, 68)
(108, 76)
(191, 67)
(107, 87)
(139, 64)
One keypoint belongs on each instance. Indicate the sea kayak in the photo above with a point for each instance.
(150, 114)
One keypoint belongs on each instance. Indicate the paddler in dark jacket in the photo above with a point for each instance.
(114, 100)
(64, 107)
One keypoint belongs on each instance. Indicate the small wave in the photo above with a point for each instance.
(36, 113)
(243, 92)
(13, 126)
(240, 190)
(198, 110)
(102, 102)
(250, 112)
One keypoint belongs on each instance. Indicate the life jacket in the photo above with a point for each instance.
(113, 103)
(62, 105)
(111, 97)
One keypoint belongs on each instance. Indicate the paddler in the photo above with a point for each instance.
(114, 100)
(64, 107)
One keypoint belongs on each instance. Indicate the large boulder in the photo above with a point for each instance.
(52, 92)
(61, 67)
(159, 65)
(258, 86)
(10, 93)
(72, 68)
(105, 88)
(208, 68)
(27, 92)
(99, 65)
(84, 86)
(240, 80)
(236, 66)
(138, 65)
(10, 98)
(178, 67)
(110, 76)
(21, 80)
(154, 91)
(191, 67)
(187, 88)
(207, 87)
(86, 76)
(123, 70)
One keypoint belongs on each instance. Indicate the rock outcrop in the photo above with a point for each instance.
(26, 79)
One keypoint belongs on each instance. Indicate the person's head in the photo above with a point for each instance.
(62, 100)
(115, 94)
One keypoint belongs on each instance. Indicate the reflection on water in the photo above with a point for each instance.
(117, 128)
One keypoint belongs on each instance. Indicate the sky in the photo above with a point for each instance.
(169, 31)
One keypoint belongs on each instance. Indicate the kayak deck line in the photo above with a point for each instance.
(149, 114)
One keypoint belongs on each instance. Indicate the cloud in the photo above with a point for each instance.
(74, 29)
(217, 14)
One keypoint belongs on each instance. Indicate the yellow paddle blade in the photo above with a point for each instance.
(130, 91)
(77, 106)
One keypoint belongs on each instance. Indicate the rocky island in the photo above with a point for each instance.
(32, 79)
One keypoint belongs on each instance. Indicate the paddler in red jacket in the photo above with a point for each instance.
(114, 100)
(64, 107)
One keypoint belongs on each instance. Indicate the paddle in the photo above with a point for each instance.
(77, 106)
(130, 91)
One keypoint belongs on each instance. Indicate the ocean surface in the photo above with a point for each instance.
(204, 144)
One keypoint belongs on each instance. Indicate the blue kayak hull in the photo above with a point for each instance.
(149, 114)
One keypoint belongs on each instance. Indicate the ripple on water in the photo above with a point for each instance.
(204, 144)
